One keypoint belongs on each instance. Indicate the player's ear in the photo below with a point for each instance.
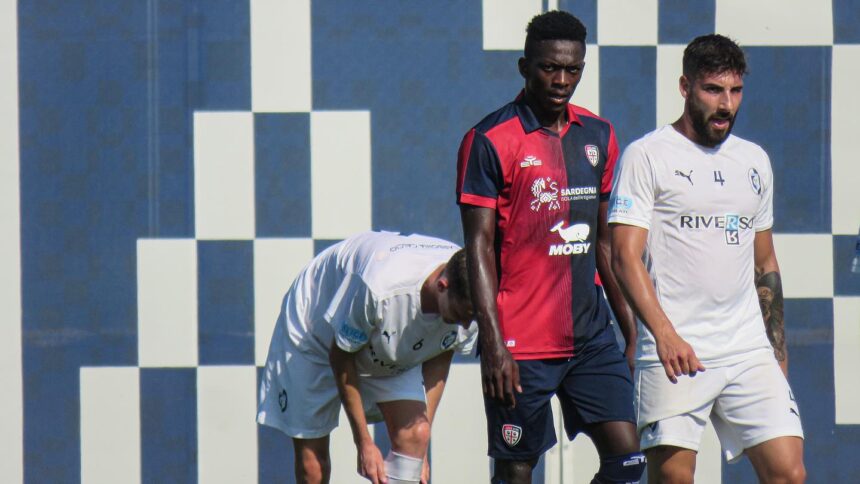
(684, 86)
(442, 284)
(522, 65)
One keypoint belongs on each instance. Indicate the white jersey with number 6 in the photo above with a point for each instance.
(702, 207)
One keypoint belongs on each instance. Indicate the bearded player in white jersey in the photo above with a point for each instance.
(698, 203)
(371, 323)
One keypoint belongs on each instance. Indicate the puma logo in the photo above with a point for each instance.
(688, 176)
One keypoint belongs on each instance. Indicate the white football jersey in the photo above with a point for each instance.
(365, 293)
(702, 207)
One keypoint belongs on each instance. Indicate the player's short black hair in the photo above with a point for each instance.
(458, 277)
(554, 25)
(713, 54)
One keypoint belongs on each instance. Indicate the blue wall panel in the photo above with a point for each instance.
(627, 81)
(168, 424)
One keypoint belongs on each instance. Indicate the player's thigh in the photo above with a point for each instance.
(657, 400)
(523, 433)
(756, 406)
(299, 398)
(778, 460)
(378, 389)
(312, 459)
(596, 397)
(670, 464)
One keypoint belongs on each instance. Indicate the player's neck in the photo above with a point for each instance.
(549, 120)
(429, 291)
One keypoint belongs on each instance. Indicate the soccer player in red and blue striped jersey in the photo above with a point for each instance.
(533, 184)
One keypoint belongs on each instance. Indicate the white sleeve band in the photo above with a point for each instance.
(403, 468)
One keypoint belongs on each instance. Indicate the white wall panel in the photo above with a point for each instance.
(776, 22)
(670, 103)
(276, 263)
(627, 22)
(281, 55)
(504, 23)
(11, 405)
(224, 175)
(340, 173)
(226, 430)
(845, 125)
(806, 264)
(846, 359)
(167, 302)
(110, 425)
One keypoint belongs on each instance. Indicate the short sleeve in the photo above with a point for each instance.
(351, 313)
(479, 172)
(633, 191)
(764, 180)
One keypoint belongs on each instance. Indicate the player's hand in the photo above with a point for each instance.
(500, 374)
(425, 471)
(371, 465)
(677, 356)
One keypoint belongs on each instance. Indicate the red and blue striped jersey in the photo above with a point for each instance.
(546, 188)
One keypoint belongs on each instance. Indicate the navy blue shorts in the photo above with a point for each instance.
(594, 386)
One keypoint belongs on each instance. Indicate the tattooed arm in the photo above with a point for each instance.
(769, 286)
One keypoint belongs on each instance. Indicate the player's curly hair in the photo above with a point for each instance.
(554, 25)
(713, 54)
(458, 277)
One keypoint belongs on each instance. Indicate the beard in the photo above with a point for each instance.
(708, 136)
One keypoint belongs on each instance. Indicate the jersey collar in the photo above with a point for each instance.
(529, 120)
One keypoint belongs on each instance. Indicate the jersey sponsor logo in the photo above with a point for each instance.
(688, 176)
(390, 366)
(620, 205)
(530, 160)
(592, 153)
(573, 194)
(574, 237)
(511, 434)
(755, 181)
(545, 191)
(731, 224)
(715, 222)
(353, 335)
(448, 340)
(733, 229)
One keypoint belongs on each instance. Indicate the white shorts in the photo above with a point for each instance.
(749, 402)
(299, 396)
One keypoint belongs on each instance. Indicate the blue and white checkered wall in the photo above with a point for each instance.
(166, 167)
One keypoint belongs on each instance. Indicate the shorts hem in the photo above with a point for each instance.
(295, 433)
(684, 444)
(520, 457)
(734, 459)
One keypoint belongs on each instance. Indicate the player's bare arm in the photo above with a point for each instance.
(623, 312)
(628, 244)
(370, 461)
(499, 372)
(769, 286)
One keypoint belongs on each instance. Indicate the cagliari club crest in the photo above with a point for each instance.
(511, 434)
(592, 154)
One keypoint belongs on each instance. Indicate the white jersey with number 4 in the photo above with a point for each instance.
(702, 208)
(365, 294)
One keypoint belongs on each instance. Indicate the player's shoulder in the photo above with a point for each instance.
(505, 114)
(589, 118)
(393, 263)
(746, 146)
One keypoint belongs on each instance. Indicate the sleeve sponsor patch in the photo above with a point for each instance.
(353, 335)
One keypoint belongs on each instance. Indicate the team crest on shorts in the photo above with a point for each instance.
(511, 434)
(449, 340)
(282, 400)
(592, 154)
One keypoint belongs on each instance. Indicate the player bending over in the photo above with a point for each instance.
(363, 325)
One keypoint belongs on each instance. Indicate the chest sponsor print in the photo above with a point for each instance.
(574, 237)
(545, 191)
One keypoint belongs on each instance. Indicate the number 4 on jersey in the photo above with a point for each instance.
(718, 177)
